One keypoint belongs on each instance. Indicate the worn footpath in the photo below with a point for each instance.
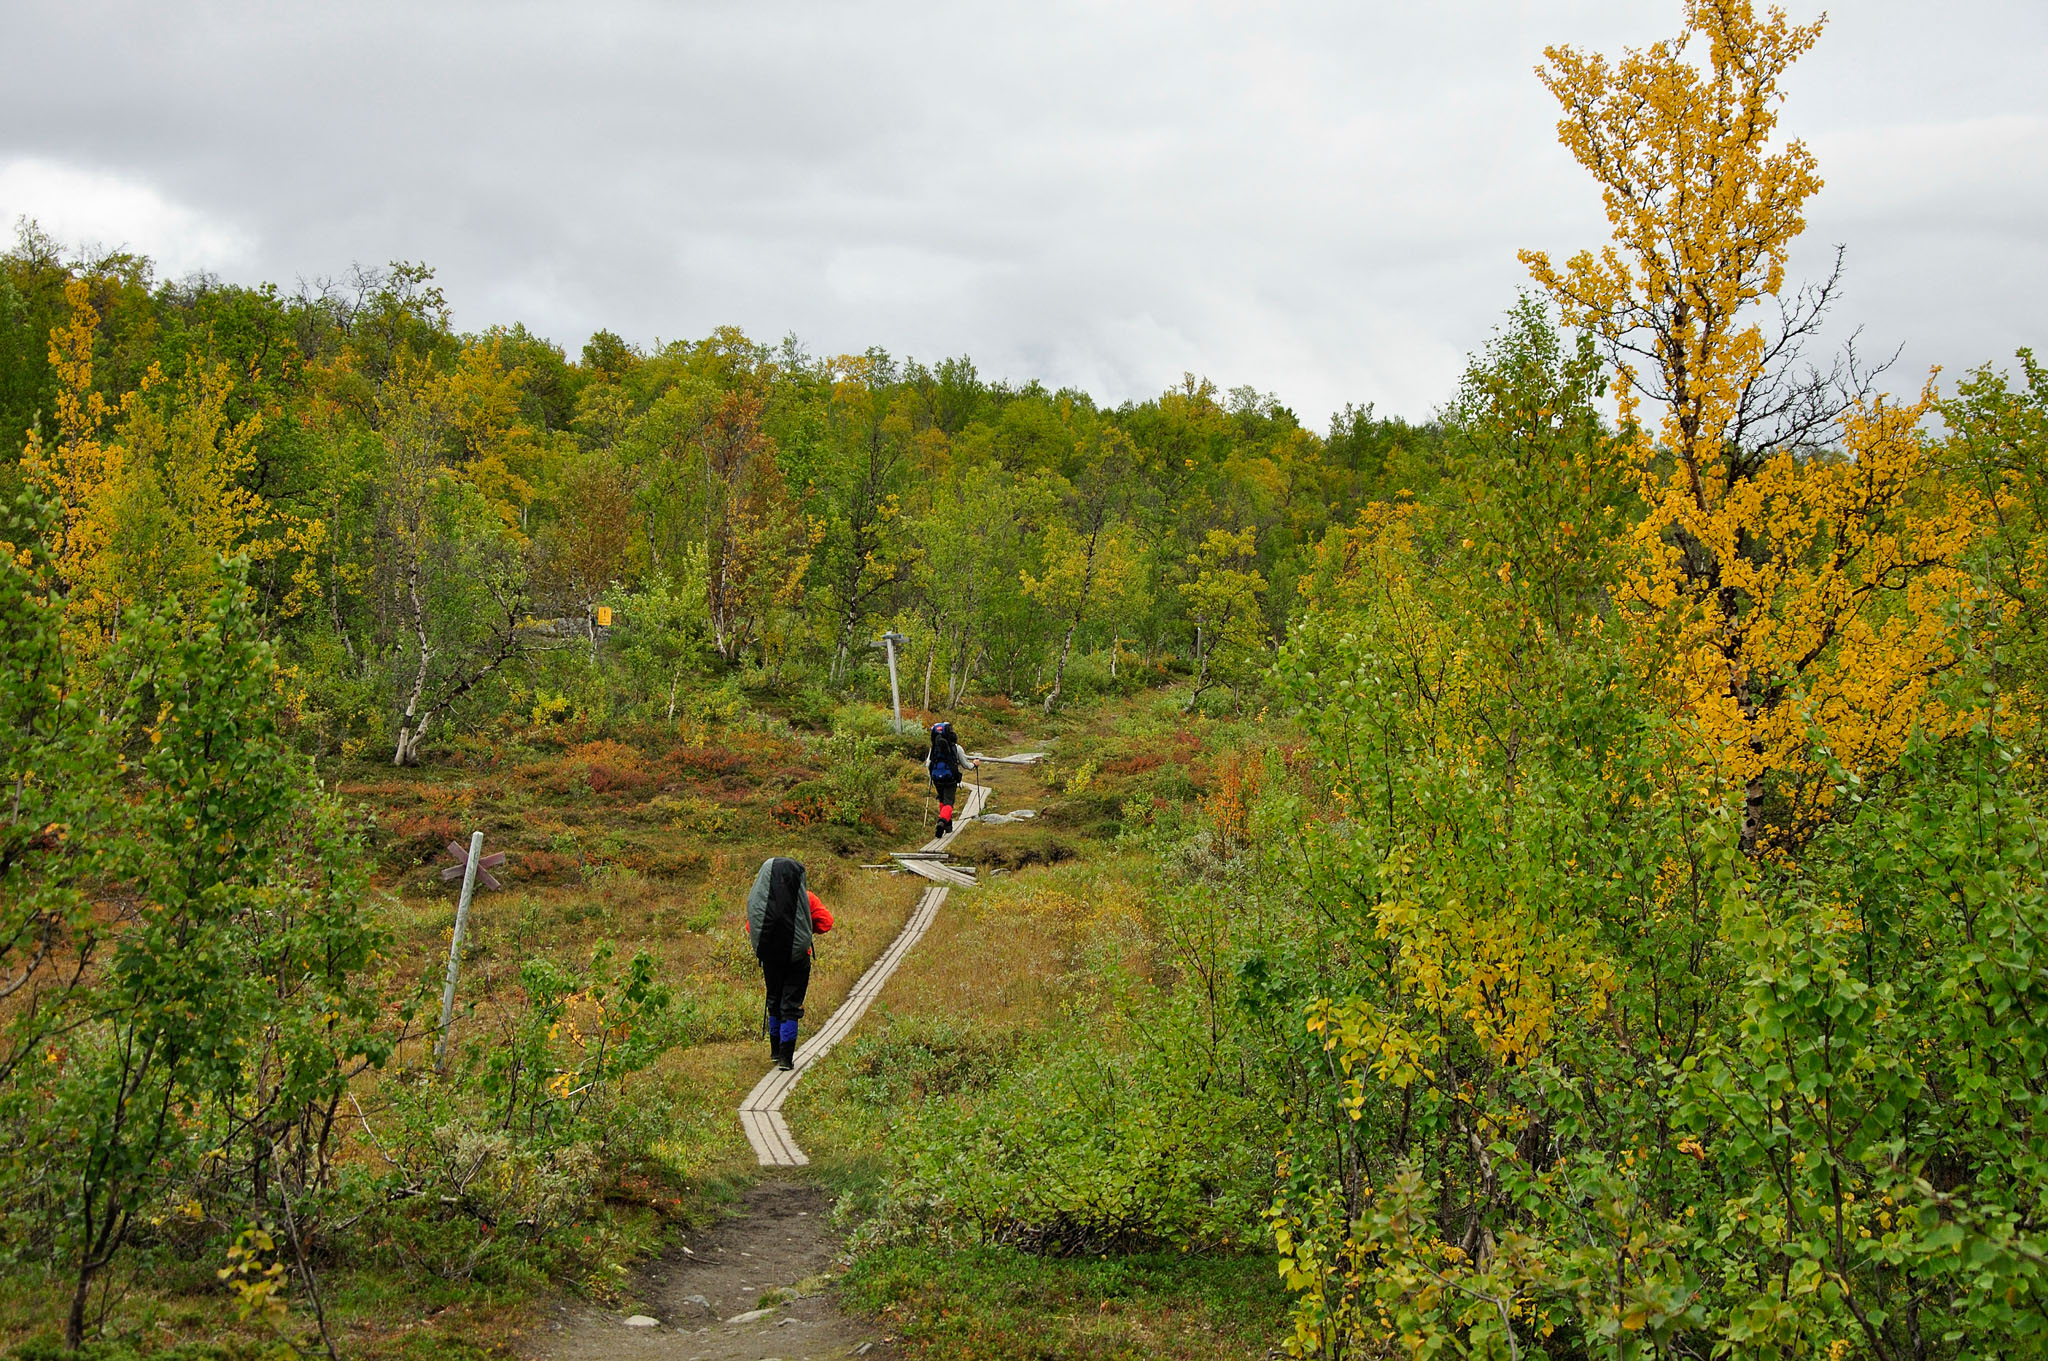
(749, 1289)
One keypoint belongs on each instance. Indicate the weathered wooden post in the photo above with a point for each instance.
(469, 866)
(888, 642)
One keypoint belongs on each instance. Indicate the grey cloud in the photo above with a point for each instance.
(1322, 200)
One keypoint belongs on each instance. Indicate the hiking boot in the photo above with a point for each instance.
(945, 826)
(785, 1055)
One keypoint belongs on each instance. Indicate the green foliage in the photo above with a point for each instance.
(1998, 447)
(1537, 490)
(1001, 1304)
(1223, 594)
(1588, 1075)
(1844, 1155)
(856, 776)
(55, 758)
(1137, 1124)
(432, 515)
(188, 933)
(575, 1042)
(487, 1168)
(1876, 1112)
(1086, 1152)
(664, 635)
(913, 1060)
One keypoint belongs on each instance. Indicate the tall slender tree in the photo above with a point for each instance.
(1763, 548)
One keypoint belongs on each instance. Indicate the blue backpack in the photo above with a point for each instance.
(944, 761)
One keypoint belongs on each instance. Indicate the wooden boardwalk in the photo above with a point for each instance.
(761, 1112)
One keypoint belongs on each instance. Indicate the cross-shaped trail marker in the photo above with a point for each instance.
(456, 852)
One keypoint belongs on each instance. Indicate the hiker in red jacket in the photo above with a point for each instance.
(782, 932)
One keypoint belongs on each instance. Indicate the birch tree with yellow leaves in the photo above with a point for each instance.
(1797, 548)
(79, 473)
(151, 490)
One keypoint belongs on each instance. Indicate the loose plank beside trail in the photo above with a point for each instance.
(761, 1112)
(937, 873)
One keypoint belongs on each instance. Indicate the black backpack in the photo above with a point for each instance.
(945, 757)
(785, 926)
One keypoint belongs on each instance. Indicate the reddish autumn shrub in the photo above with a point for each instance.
(602, 767)
(603, 752)
(803, 808)
(411, 838)
(719, 760)
(605, 778)
(544, 867)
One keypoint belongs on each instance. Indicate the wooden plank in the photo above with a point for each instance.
(940, 874)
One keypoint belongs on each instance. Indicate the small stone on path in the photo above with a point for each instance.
(642, 1321)
(750, 1316)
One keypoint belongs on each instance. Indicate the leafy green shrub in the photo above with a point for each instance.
(914, 1058)
(806, 707)
(694, 814)
(857, 779)
(532, 1122)
(1087, 1151)
(182, 916)
(717, 705)
(860, 720)
(338, 711)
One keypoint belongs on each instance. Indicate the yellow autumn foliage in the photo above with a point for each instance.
(1825, 611)
(1782, 591)
(80, 472)
(145, 510)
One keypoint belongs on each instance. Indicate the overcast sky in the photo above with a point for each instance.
(1321, 200)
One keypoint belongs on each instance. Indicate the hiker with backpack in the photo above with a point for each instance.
(783, 916)
(946, 762)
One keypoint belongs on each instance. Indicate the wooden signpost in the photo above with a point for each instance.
(888, 642)
(470, 865)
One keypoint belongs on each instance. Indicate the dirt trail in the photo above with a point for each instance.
(703, 1293)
